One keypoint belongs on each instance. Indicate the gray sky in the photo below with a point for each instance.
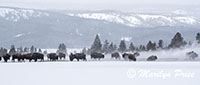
(94, 4)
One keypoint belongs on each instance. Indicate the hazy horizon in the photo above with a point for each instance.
(125, 5)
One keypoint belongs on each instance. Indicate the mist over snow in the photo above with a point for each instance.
(173, 54)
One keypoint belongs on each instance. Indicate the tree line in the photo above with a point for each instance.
(13, 50)
(176, 42)
(109, 47)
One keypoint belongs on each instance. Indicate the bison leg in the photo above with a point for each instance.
(71, 59)
(13, 59)
(19, 60)
(35, 60)
(42, 59)
(5, 60)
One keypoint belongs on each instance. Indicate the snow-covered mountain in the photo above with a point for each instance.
(14, 14)
(46, 29)
(128, 19)
(141, 20)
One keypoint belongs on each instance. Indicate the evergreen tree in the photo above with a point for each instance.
(111, 48)
(177, 41)
(62, 48)
(131, 47)
(198, 37)
(45, 52)
(84, 50)
(3, 51)
(40, 51)
(35, 50)
(12, 50)
(114, 47)
(96, 46)
(26, 50)
(32, 49)
(137, 49)
(151, 46)
(106, 47)
(20, 50)
(142, 48)
(122, 46)
(160, 44)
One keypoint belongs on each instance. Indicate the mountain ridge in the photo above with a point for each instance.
(49, 31)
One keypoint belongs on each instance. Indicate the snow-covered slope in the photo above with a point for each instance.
(46, 29)
(141, 20)
(14, 14)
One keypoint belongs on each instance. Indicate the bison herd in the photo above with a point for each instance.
(79, 56)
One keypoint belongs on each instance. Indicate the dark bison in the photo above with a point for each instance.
(52, 57)
(131, 57)
(28, 56)
(33, 56)
(192, 55)
(115, 55)
(61, 56)
(18, 56)
(6, 57)
(38, 56)
(77, 56)
(152, 58)
(96, 55)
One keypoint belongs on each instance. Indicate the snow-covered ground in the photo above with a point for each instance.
(100, 73)
(107, 71)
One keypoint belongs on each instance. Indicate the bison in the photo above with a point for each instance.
(61, 55)
(152, 58)
(192, 55)
(52, 57)
(115, 55)
(28, 56)
(33, 56)
(0, 58)
(131, 57)
(77, 56)
(18, 56)
(96, 55)
(6, 57)
(37, 56)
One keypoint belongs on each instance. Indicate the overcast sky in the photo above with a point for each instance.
(95, 4)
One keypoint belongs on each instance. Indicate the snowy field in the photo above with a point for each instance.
(171, 68)
(100, 73)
